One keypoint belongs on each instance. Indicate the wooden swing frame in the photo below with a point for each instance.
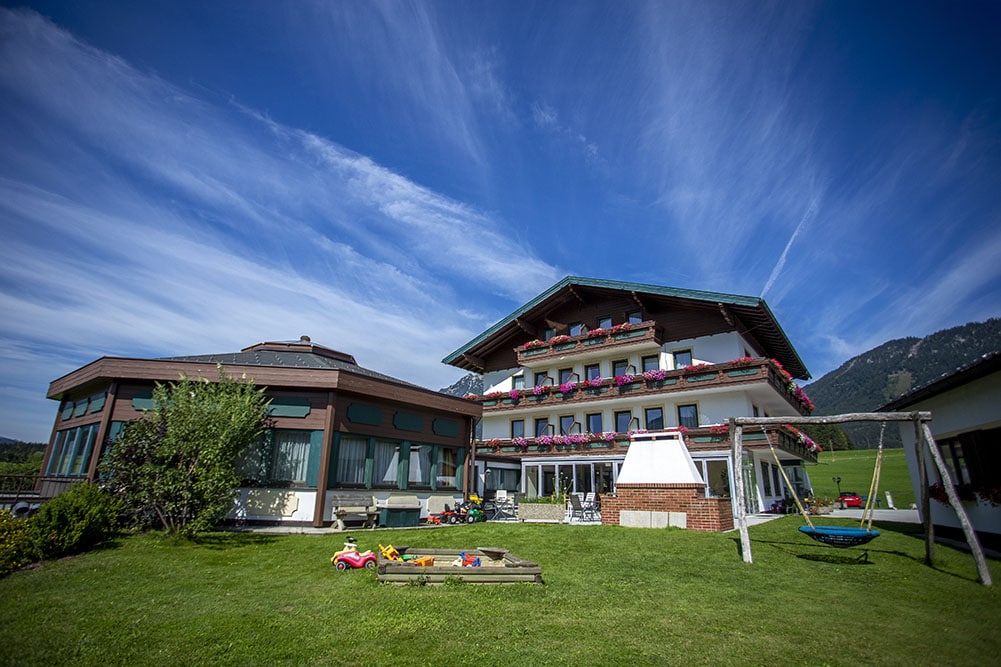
(923, 440)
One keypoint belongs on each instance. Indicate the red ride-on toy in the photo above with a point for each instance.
(349, 556)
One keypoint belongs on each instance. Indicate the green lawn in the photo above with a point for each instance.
(613, 596)
(855, 470)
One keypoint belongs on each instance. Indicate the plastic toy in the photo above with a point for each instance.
(349, 556)
(389, 553)
(465, 560)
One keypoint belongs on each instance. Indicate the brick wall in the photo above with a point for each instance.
(705, 514)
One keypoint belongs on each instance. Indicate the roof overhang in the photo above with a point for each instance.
(117, 369)
(748, 315)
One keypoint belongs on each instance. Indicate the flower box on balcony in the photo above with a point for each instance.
(741, 372)
(566, 394)
(535, 352)
(595, 341)
(564, 346)
(600, 444)
(596, 390)
(630, 386)
(509, 401)
(667, 382)
(489, 403)
(540, 397)
(701, 377)
(626, 335)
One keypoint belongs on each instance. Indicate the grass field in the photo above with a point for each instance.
(613, 596)
(855, 470)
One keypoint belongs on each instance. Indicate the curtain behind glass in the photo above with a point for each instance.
(291, 456)
(420, 465)
(447, 459)
(351, 460)
(386, 463)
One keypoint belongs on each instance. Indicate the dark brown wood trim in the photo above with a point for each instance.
(102, 432)
(321, 483)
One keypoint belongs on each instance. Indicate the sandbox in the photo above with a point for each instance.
(497, 566)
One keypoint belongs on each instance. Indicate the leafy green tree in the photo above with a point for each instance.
(176, 467)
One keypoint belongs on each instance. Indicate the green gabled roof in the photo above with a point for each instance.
(751, 308)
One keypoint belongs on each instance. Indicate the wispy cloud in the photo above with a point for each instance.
(547, 119)
(147, 221)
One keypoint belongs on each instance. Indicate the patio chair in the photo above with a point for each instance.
(578, 510)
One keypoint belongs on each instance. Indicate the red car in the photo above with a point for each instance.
(342, 560)
(850, 499)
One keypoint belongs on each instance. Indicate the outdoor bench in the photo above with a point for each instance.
(354, 507)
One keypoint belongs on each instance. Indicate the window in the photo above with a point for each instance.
(446, 464)
(682, 358)
(620, 366)
(386, 463)
(550, 332)
(566, 424)
(688, 416)
(575, 328)
(766, 478)
(974, 458)
(420, 466)
(541, 379)
(565, 374)
(623, 420)
(654, 418)
(517, 428)
(651, 362)
(351, 455)
(541, 426)
(605, 322)
(592, 371)
(71, 451)
(518, 382)
(594, 423)
(291, 456)
(634, 317)
(284, 458)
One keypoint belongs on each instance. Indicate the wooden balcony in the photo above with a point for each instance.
(704, 438)
(642, 335)
(730, 374)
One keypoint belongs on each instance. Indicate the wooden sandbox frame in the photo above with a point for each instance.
(497, 566)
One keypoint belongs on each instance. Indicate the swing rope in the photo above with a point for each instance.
(837, 536)
(789, 485)
(870, 501)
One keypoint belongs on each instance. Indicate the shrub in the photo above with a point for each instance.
(16, 546)
(75, 521)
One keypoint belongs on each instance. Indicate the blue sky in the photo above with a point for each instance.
(392, 178)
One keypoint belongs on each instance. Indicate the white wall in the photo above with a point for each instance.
(713, 409)
(973, 406)
(709, 349)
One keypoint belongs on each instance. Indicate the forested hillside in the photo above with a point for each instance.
(876, 377)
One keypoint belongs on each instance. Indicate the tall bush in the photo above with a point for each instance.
(17, 548)
(74, 521)
(176, 467)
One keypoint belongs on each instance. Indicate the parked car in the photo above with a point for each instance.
(850, 499)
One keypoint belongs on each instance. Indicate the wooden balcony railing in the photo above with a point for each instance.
(644, 333)
(785, 438)
(735, 373)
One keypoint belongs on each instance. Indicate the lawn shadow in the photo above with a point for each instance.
(233, 539)
(906, 529)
